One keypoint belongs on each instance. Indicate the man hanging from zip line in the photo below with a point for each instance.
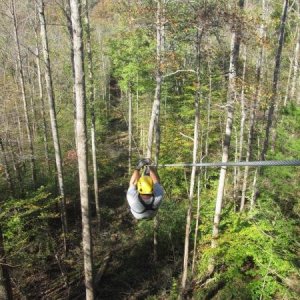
(145, 192)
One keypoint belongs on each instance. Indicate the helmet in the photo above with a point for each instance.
(145, 185)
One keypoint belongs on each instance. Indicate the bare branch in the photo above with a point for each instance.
(179, 71)
(186, 136)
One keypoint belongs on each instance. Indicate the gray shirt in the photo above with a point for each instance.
(137, 208)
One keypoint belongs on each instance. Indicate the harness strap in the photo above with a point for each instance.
(147, 206)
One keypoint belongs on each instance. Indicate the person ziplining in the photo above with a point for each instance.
(145, 192)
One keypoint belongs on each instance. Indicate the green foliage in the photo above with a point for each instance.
(132, 59)
(171, 218)
(256, 253)
(25, 226)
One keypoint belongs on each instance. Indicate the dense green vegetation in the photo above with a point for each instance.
(257, 256)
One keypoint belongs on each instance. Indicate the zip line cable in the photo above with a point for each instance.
(259, 163)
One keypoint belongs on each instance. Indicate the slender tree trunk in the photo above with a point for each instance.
(235, 45)
(295, 68)
(129, 131)
(154, 120)
(156, 103)
(197, 224)
(255, 190)
(235, 170)
(275, 81)
(32, 104)
(82, 147)
(22, 84)
(20, 138)
(287, 90)
(252, 119)
(208, 122)
(137, 103)
(91, 99)
(67, 13)
(54, 130)
(242, 127)
(42, 102)
(193, 173)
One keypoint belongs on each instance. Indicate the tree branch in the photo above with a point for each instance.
(179, 71)
(186, 136)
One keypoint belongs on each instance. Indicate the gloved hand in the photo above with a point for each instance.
(143, 162)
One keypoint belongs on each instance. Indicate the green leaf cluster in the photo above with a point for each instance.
(132, 60)
(26, 226)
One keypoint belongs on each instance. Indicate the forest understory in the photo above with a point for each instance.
(123, 259)
(88, 87)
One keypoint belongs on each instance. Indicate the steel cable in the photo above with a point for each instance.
(259, 163)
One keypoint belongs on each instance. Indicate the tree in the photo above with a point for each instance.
(91, 99)
(42, 102)
(23, 91)
(195, 157)
(235, 45)
(154, 120)
(253, 110)
(54, 130)
(275, 81)
(81, 139)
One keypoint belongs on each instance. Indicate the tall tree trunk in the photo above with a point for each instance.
(67, 13)
(32, 104)
(193, 173)
(197, 222)
(295, 67)
(129, 130)
(235, 46)
(137, 104)
(54, 130)
(275, 80)
(208, 122)
(252, 119)
(154, 120)
(287, 89)
(20, 138)
(82, 147)
(42, 102)
(91, 99)
(22, 85)
(159, 78)
(242, 127)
